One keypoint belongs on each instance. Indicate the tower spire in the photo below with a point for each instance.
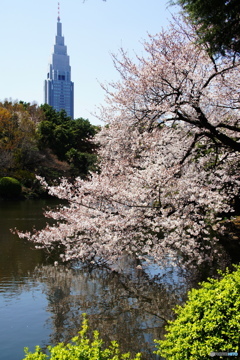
(58, 18)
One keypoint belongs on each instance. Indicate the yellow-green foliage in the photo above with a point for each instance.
(81, 348)
(208, 322)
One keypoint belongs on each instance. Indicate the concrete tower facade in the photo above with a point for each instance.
(59, 89)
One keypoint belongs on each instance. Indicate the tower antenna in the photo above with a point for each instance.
(58, 11)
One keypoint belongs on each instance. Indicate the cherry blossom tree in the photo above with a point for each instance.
(169, 161)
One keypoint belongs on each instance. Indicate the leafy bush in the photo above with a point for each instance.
(10, 187)
(81, 347)
(208, 322)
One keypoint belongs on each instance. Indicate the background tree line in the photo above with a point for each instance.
(37, 140)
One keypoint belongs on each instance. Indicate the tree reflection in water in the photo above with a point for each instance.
(129, 306)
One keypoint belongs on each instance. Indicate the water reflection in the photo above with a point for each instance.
(41, 304)
(130, 307)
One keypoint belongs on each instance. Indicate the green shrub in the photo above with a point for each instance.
(10, 187)
(208, 322)
(82, 348)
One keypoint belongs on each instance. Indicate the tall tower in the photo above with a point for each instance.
(59, 89)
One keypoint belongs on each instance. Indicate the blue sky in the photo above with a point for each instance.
(92, 29)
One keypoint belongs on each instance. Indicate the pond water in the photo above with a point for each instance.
(41, 304)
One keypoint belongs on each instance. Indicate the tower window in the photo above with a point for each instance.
(61, 77)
